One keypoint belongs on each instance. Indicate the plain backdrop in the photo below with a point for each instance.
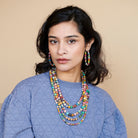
(115, 20)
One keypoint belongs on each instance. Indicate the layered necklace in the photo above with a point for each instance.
(70, 118)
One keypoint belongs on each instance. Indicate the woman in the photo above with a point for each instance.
(63, 101)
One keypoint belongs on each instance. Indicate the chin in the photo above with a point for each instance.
(66, 68)
(63, 68)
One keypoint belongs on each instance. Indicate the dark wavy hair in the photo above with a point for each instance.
(96, 71)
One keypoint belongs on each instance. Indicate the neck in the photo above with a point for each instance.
(70, 76)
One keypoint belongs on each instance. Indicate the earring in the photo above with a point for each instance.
(87, 63)
(49, 59)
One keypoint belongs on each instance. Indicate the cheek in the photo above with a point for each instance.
(51, 50)
(52, 53)
(78, 54)
(80, 51)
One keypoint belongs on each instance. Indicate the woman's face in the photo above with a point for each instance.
(66, 46)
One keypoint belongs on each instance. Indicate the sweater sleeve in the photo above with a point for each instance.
(15, 117)
(114, 125)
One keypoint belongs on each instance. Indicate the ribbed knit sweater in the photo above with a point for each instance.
(30, 111)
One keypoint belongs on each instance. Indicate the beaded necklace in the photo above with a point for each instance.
(62, 105)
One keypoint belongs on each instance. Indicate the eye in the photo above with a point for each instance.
(72, 41)
(53, 41)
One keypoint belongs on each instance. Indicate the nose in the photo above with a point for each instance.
(61, 48)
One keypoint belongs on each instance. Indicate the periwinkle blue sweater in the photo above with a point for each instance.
(30, 111)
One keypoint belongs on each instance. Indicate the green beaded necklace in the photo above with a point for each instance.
(62, 104)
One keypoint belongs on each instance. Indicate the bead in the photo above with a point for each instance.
(62, 104)
(74, 106)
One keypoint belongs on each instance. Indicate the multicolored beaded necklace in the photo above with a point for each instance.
(62, 105)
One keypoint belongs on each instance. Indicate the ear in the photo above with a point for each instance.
(89, 44)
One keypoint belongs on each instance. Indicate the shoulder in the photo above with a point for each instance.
(31, 83)
(103, 98)
(34, 80)
(99, 92)
(113, 123)
(23, 91)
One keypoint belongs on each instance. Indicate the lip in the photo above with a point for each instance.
(62, 60)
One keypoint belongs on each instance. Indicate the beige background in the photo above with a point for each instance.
(117, 22)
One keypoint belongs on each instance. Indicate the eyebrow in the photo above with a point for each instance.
(71, 36)
(65, 37)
